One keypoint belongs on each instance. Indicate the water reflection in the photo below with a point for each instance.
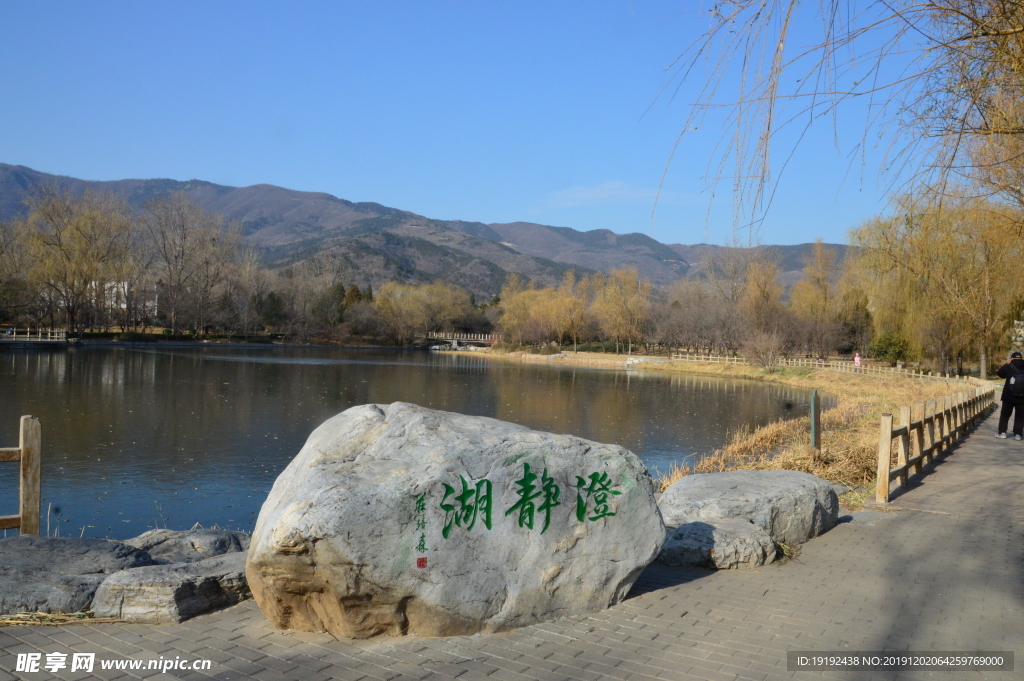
(134, 438)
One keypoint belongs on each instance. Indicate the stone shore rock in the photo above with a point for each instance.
(59, 574)
(790, 506)
(187, 546)
(399, 519)
(173, 593)
(720, 544)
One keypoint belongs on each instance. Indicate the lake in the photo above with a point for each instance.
(135, 438)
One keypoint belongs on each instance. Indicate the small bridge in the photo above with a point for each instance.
(441, 340)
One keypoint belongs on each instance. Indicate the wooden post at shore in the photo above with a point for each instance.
(28, 454)
(815, 420)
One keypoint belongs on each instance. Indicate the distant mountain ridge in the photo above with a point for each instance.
(375, 243)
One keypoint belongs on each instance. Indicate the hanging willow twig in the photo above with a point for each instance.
(939, 83)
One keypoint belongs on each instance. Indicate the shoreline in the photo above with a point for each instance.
(849, 447)
(38, 345)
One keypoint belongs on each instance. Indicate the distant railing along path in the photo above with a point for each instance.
(846, 367)
(37, 336)
(489, 338)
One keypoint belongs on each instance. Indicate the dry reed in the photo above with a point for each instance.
(849, 442)
(54, 618)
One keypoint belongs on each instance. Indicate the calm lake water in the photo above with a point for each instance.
(135, 437)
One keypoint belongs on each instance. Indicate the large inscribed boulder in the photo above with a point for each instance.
(399, 519)
(790, 506)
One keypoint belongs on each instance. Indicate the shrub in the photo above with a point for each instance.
(889, 347)
(134, 337)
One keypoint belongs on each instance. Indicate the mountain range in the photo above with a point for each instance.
(373, 244)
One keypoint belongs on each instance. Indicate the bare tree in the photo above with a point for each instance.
(621, 305)
(577, 297)
(815, 303)
(15, 295)
(182, 235)
(77, 246)
(761, 302)
(765, 349)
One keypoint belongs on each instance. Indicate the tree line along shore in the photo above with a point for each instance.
(938, 289)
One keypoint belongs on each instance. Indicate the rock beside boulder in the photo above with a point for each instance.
(59, 574)
(45, 591)
(790, 506)
(399, 519)
(173, 593)
(725, 544)
(187, 546)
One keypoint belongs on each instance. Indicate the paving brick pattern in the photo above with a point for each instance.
(943, 570)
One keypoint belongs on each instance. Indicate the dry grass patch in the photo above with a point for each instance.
(849, 443)
(54, 618)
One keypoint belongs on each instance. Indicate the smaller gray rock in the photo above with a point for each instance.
(726, 544)
(70, 555)
(187, 546)
(173, 593)
(59, 574)
(45, 591)
(791, 506)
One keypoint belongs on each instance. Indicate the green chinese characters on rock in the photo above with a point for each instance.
(595, 488)
(537, 496)
(420, 515)
(529, 491)
(475, 501)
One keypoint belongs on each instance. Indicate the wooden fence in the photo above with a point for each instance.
(485, 337)
(919, 441)
(55, 335)
(845, 367)
(28, 453)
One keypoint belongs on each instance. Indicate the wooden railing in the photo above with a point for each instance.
(845, 367)
(714, 359)
(28, 453)
(55, 335)
(486, 337)
(918, 442)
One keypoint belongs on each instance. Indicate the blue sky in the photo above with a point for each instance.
(487, 111)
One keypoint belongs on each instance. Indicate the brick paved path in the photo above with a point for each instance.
(944, 572)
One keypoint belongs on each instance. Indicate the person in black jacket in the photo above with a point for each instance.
(1014, 368)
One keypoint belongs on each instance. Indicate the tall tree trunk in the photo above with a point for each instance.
(983, 368)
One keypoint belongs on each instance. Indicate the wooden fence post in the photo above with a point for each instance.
(884, 459)
(30, 443)
(903, 446)
(917, 443)
(958, 409)
(953, 425)
(929, 412)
